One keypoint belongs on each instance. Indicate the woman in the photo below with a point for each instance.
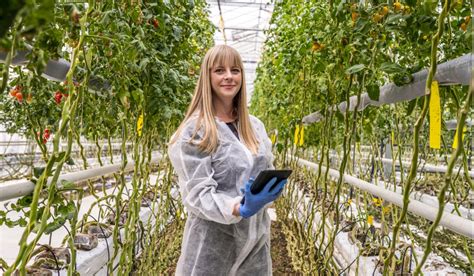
(217, 152)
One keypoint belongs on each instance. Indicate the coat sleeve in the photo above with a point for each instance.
(198, 188)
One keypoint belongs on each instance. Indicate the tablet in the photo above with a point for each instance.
(267, 175)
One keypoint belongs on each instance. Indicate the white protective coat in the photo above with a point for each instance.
(215, 242)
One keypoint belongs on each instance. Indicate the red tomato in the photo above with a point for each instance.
(58, 97)
(46, 134)
(19, 97)
(156, 23)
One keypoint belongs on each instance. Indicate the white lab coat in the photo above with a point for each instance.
(215, 242)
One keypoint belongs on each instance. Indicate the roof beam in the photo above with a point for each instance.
(240, 4)
(244, 29)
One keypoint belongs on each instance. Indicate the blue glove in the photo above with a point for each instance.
(252, 203)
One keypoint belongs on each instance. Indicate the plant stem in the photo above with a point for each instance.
(447, 183)
(419, 123)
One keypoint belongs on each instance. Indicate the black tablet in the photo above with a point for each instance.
(267, 175)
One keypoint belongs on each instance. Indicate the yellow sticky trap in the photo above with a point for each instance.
(370, 220)
(273, 138)
(393, 137)
(435, 117)
(299, 134)
(140, 125)
(455, 142)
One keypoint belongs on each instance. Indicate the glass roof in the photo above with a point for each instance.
(244, 22)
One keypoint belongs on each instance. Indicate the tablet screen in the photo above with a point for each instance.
(265, 176)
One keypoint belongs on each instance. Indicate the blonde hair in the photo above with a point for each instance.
(202, 103)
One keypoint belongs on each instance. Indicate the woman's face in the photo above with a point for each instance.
(226, 81)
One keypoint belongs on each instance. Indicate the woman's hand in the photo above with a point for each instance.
(254, 202)
(236, 210)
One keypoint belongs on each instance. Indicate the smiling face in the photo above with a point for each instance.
(226, 81)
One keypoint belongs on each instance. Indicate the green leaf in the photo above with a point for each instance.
(22, 222)
(38, 171)
(391, 68)
(393, 18)
(70, 161)
(71, 209)
(176, 32)
(88, 58)
(339, 116)
(411, 107)
(123, 96)
(143, 63)
(66, 211)
(8, 14)
(428, 7)
(25, 201)
(54, 225)
(280, 147)
(402, 79)
(66, 184)
(374, 92)
(11, 223)
(137, 95)
(59, 156)
(355, 69)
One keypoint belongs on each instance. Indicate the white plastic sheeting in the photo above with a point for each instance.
(347, 254)
(454, 223)
(87, 262)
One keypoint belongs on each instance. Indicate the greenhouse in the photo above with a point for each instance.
(236, 137)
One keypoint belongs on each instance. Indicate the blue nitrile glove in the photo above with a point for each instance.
(252, 203)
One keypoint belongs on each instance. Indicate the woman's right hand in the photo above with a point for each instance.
(254, 202)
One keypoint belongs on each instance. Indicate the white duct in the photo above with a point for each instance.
(15, 189)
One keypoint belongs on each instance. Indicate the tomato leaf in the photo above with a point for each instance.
(411, 107)
(25, 201)
(54, 225)
(38, 171)
(391, 68)
(66, 184)
(355, 69)
(374, 92)
(70, 161)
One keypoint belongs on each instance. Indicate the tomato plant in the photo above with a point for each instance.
(126, 60)
(318, 55)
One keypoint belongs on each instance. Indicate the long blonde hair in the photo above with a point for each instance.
(202, 103)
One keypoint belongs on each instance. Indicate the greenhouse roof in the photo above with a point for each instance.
(243, 25)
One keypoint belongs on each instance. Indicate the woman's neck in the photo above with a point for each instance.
(225, 112)
(226, 117)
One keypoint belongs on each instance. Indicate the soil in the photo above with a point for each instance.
(281, 261)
